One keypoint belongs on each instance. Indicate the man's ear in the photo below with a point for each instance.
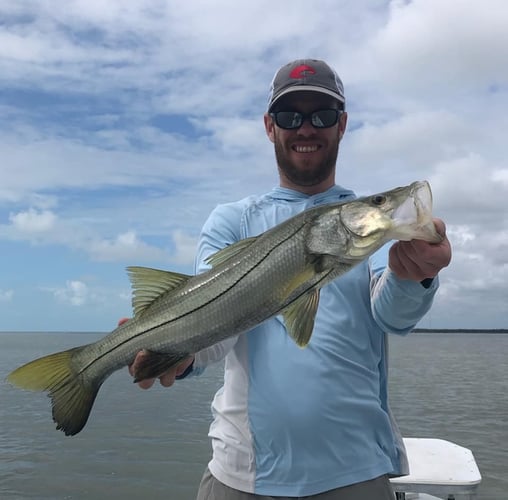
(269, 127)
(342, 124)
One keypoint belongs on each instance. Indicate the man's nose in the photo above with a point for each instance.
(306, 128)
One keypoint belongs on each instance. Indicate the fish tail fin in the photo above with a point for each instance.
(72, 396)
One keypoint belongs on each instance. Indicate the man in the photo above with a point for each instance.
(311, 422)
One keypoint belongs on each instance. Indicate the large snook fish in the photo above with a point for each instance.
(280, 271)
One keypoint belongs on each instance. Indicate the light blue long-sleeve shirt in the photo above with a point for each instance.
(297, 422)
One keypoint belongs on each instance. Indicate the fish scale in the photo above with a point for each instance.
(279, 272)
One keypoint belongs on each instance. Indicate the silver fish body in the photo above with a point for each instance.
(279, 272)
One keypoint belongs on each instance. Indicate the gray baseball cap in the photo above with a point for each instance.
(306, 74)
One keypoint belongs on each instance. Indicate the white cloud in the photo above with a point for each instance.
(501, 176)
(125, 247)
(44, 227)
(468, 189)
(75, 293)
(33, 221)
(185, 248)
(6, 295)
(414, 141)
(87, 168)
(430, 47)
(462, 235)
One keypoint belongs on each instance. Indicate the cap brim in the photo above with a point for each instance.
(310, 88)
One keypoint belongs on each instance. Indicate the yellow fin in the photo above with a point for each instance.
(149, 284)
(300, 279)
(72, 396)
(230, 251)
(299, 317)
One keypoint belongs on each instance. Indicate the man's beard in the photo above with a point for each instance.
(306, 177)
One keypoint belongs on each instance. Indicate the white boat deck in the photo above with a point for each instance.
(438, 467)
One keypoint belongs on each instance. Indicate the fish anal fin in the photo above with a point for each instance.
(149, 284)
(299, 317)
(230, 251)
(153, 364)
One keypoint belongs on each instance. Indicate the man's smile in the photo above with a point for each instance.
(305, 149)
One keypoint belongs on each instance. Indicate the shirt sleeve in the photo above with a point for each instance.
(397, 304)
(222, 228)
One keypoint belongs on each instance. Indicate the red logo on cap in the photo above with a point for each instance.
(302, 71)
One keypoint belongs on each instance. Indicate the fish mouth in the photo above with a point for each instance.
(413, 217)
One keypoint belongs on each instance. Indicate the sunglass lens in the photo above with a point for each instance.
(288, 119)
(324, 118)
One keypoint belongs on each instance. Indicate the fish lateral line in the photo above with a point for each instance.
(72, 379)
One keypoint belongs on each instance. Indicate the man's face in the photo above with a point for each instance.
(306, 156)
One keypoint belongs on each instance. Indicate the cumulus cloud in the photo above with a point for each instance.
(45, 227)
(391, 145)
(74, 292)
(126, 246)
(33, 221)
(123, 124)
(468, 189)
(427, 48)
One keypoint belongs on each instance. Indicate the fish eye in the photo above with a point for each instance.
(378, 199)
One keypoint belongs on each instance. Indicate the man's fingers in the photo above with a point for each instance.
(183, 365)
(168, 378)
(440, 227)
(417, 260)
(401, 264)
(147, 383)
(144, 384)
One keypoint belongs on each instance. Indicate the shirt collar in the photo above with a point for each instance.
(335, 193)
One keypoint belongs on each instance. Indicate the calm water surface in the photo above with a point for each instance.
(153, 444)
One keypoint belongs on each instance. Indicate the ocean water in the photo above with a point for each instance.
(153, 444)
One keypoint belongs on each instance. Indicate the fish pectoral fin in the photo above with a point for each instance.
(153, 364)
(149, 284)
(229, 251)
(299, 317)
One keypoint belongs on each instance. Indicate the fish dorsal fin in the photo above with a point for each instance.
(299, 317)
(230, 251)
(149, 284)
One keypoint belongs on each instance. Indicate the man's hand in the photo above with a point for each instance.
(417, 260)
(167, 379)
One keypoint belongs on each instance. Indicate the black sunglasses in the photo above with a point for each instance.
(322, 118)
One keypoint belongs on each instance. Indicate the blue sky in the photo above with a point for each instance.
(122, 124)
